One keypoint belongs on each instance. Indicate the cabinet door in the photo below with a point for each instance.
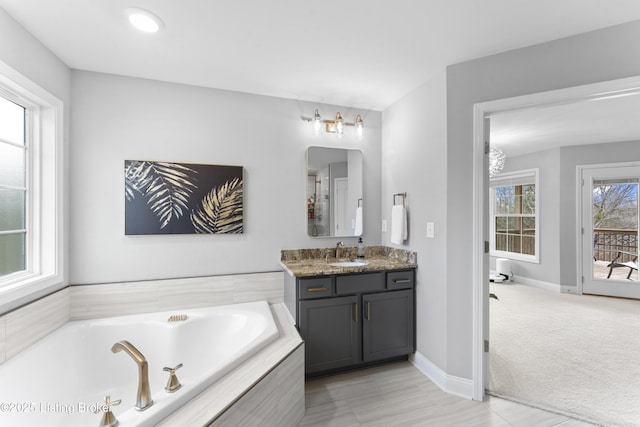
(387, 325)
(330, 330)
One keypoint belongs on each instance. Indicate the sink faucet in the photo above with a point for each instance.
(143, 401)
(338, 246)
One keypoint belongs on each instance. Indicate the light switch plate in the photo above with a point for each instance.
(430, 230)
(384, 225)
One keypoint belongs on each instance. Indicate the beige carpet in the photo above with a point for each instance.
(576, 355)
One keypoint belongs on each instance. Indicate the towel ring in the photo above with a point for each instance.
(403, 195)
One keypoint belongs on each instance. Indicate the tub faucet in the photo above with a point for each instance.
(338, 246)
(143, 401)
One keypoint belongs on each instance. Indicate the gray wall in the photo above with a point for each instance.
(570, 157)
(558, 214)
(414, 153)
(607, 54)
(548, 163)
(117, 118)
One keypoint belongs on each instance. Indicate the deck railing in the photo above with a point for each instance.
(608, 241)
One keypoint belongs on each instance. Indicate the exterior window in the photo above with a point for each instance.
(514, 214)
(32, 247)
(13, 188)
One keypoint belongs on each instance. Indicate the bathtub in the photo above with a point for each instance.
(62, 379)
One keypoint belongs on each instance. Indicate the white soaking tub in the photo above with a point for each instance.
(63, 378)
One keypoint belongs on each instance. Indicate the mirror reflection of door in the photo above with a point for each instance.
(334, 191)
(341, 188)
(610, 219)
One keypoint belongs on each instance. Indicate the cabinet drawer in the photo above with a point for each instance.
(357, 283)
(400, 279)
(315, 288)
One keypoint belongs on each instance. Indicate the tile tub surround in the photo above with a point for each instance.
(24, 326)
(279, 366)
(118, 299)
(313, 262)
(267, 390)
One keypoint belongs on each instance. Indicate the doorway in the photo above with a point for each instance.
(480, 264)
(609, 224)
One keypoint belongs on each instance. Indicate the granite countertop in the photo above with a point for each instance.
(314, 262)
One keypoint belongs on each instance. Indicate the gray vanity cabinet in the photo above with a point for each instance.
(350, 320)
(387, 325)
(330, 330)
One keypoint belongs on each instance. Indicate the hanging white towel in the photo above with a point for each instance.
(358, 228)
(398, 224)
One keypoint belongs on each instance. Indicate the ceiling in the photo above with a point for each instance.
(363, 54)
(599, 120)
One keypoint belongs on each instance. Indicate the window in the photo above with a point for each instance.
(31, 202)
(13, 188)
(514, 215)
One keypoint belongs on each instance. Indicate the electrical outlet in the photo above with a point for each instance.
(430, 230)
(384, 225)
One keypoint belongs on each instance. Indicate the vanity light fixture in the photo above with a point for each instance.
(143, 20)
(335, 126)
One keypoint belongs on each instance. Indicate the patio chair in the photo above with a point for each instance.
(617, 262)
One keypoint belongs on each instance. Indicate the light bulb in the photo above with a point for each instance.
(339, 124)
(317, 123)
(359, 127)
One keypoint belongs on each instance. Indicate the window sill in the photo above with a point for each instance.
(515, 257)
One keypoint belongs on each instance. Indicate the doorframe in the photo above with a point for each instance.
(480, 262)
(579, 220)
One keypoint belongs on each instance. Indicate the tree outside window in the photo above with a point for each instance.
(514, 213)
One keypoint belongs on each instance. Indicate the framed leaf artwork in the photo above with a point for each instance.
(182, 198)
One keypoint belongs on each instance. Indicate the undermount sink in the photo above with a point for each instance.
(349, 263)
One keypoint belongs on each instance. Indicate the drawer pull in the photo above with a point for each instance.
(316, 289)
(356, 314)
(368, 310)
(397, 281)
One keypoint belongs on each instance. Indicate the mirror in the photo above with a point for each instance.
(334, 192)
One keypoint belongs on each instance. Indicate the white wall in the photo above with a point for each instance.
(117, 118)
(603, 55)
(414, 153)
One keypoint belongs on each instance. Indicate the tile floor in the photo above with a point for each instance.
(400, 395)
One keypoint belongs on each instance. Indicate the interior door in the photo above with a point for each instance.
(609, 220)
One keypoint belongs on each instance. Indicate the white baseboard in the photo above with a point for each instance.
(538, 284)
(451, 384)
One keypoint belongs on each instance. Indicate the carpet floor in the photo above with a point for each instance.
(575, 355)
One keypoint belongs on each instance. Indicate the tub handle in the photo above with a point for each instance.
(108, 419)
(173, 384)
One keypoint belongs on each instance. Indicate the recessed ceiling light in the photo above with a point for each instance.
(144, 20)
